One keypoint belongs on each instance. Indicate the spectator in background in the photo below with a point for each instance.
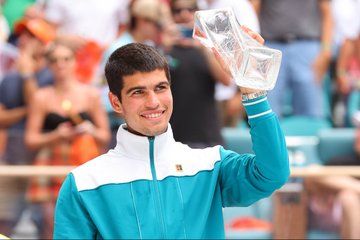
(67, 124)
(89, 26)
(194, 72)
(93, 20)
(8, 39)
(335, 200)
(347, 29)
(228, 97)
(14, 11)
(4, 27)
(15, 91)
(351, 77)
(302, 30)
(146, 20)
(346, 60)
(8, 52)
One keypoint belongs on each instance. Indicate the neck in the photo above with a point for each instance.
(127, 128)
(64, 85)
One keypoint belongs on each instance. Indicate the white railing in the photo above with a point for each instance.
(61, 171)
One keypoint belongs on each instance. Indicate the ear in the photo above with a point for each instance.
(115, 103)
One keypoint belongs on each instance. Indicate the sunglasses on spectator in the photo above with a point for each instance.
(179, 10)
(54, 60)
(158, 25)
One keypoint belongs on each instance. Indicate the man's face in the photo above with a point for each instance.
(62, 62)
(28, 42)
(149, 29)
(146, 102)
(183, 12)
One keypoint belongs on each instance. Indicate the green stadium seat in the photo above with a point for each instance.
(303, 126)
(335, 142)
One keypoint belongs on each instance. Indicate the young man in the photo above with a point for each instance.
(150, 186)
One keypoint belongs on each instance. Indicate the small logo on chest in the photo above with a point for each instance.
(179, 167)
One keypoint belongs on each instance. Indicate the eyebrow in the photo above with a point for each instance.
(142, 87)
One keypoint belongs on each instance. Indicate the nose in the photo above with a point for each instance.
(152, 100)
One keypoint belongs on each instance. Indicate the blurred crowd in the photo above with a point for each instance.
(54, 107)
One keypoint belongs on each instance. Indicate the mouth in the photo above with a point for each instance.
(154, 115)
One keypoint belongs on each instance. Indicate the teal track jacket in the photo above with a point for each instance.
(154, 187)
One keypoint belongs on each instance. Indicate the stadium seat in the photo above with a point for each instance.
(303, 126)
(260, 210)
(335, 142)
(353, 106)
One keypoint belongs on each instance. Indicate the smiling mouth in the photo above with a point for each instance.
(153, 115)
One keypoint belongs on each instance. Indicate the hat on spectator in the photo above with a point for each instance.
(148, 9)
(38, 27)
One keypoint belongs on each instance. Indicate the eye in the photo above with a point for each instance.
(137, 92)
(161, 87)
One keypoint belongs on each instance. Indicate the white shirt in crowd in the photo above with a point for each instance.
(92, 19)
(347, 19)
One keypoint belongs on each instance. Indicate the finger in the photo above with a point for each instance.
(199, 33)
(217, 56)
(253, 34)
(220, 60)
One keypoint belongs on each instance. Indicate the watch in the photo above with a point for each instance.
(250, 96)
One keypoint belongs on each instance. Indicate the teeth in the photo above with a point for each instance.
(153, 115)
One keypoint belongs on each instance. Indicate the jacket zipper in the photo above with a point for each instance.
(156, 187)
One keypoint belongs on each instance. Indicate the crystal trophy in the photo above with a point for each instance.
(251, 64)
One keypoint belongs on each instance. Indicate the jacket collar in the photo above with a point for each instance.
(135, 146)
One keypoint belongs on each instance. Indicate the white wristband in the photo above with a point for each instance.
(250, 96)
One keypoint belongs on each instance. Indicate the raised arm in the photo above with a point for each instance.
(322, 61)
(246, 178)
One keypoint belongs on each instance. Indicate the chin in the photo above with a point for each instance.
(155, 131)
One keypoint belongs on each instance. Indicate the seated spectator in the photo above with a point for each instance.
(67, 125)
(16, 88)
(351, 78)
(346, 31)
(335, 200)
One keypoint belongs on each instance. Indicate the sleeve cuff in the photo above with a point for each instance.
(257, 107)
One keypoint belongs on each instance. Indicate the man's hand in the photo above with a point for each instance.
(65, 131)
(256, 36)
(85, 127)
(344, 86)
(225, 67)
